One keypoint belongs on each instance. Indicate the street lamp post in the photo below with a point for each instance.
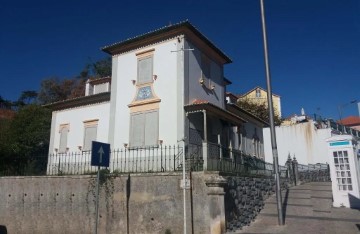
(271, 120)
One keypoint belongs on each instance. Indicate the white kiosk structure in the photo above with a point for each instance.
(344, 171)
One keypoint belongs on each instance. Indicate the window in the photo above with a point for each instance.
(258, 93)
(90, 132)
(64, 129)
(101, 88)
(205, 69)
(343, 175)
(145, 70)
(144, 128)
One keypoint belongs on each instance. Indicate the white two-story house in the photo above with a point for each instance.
(167, 88)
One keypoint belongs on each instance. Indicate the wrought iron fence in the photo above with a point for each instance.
(128, 160)
(314, 172)
(228, 160)
(150, 159)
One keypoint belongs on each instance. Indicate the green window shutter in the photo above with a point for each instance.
(145, 70)
(89, 136)
(151, 128)
(63, 139)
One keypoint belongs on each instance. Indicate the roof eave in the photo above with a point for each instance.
(165, 32)
(80, 101)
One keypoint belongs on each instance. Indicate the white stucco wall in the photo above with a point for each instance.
(303, 140)
(198, 91)
(165, 87)
(75, 117)
(245, 144)
(339, 172)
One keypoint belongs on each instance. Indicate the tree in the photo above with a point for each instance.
(259, 110)
(54, 89)
(29, 131)
(24, 141)
(28, 97)
(5, 104)
(101, 68)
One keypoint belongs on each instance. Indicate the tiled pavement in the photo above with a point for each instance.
(307, 209)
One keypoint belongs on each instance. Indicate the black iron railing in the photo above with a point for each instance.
(129, 160)
(151, 159)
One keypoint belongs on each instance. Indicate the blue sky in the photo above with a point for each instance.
(314, 46)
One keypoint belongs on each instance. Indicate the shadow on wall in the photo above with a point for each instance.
(354, 202)
(284, 205)
(128, 191)
(3, 229)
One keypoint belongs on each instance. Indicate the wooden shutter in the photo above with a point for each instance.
(63, 139)
(145, 67)
(151, 128)
(137, 126)
(89, 136)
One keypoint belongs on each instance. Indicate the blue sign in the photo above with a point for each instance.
(338, 143)
(100, 154)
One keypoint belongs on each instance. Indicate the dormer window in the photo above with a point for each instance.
(98, 85)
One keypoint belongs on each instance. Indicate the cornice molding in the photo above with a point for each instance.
(80, 101)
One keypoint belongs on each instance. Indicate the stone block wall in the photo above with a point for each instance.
(245, 198)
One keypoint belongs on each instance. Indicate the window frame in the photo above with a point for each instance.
(144, 144)
(89, 124)
(258, 93)
(140, 58)
(61, 129)
(205, 69)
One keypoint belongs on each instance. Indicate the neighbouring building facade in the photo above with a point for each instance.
(258, 95)
(305, 139)
(167, 88)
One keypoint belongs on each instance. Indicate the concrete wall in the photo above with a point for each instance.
(67, 204)
(75, 117)
(303, 140)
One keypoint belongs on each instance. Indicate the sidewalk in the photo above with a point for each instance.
(307, 209)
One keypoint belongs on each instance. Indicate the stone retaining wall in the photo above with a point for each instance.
(245, 198)
(136, 203)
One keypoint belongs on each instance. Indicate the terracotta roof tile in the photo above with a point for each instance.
(199, 101)
(350, 121)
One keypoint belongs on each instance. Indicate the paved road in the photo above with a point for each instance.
(307, 209)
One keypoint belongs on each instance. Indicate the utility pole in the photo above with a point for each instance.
(271, 119)
(182, 50)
